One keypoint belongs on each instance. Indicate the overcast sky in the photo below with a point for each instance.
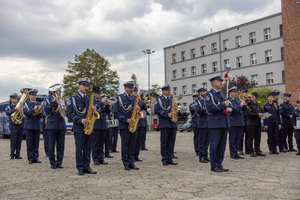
(38, 38)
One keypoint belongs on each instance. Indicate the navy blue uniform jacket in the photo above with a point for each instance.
(162, 110)
(143, 121)
(286, 109)
(296, 113)
(54, 120)
(236, 115)
(193, 114)
(32, 121)
(201, 113)
(275, 118)
(100, 124)
(10, 109)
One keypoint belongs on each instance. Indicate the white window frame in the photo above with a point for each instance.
(238, 40)
(267, 34)
(226, 44)
(193, 70)
(239, 61)
(184, 104)
(202, 51)
(174, 74)
(174, 58)
(184, 90)
(215, 66)
(252, 38)
(226, 62)
(253, 59)
(268, 56)
(204, 84)
(193, 53)
(183, 56)
(194, 88)
(254, 78)
(183, 72)
(270, 78)
(203, 68)
(175, 91)
(214, 47)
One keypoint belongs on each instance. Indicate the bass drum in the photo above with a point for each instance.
(112, 123)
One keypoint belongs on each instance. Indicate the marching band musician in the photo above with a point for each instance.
(77, 110)
(218, 123)
(236, 121)
(113, 131)
(192, 108)
(32, 110)
(55, 126)
(16, 130)
(122, 110)
(163, 108)
(203, 134)
(100, 128)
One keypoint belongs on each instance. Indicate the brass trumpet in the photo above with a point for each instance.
(149, 107)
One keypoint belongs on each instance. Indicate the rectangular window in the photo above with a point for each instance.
(174, 74)
(184, 89)
(175, 91)
(204, 70)
(193, 54)
(254, 79)
(215, 66)
(252, 38)
(204, 84)
(267, 34)
(194, 88)
(283, 77)
(253, 59)
(183, 56)
(184, 104)
(280, 29)
(225, 44)
(282, 54)
(298, 1)
(174, 58)
(226, 62)
(193, 70)
(183, 72)
(270, 78)
(239, 61)
(238, 41)
(214, 47)
(203, 50)
(269, 56)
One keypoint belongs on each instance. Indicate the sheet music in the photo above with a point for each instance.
(266, 115)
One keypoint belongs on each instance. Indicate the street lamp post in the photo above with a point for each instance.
(148, 52)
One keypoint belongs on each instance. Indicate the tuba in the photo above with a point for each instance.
(56, 89)
(17, 117)
(174, 110)
(91, 115)
(135, 116)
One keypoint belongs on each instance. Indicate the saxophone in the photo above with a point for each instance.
(174, 110)
(91, 117)
(59, 101)
(135, 116)
(17, 117)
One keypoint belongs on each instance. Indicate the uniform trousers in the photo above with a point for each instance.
(287, 133)
(32, 143)
(83, 145)
(167, 142)
(128, 141)
(139, 138)
(297, 137)
(16, 136)
(254, 133)
(46, 141)
(114, 137)
(107, 143)
(56, 137)
(196, 140)
(243, 133)
(234, 139)
(203, 143)
(217, 142)
(273, 137)
(143, 143)
(98, 143)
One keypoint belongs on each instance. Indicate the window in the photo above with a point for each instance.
(282, 54)
(253, 59)
(252, 38)
(183, 71)
(183, 56)
(283, 77)
(184, 89)
(280, 29)
(175, 91)
(193, 70)
(298, 1)
(267, 34)
(194, 88)
(269, 56)
(225, 44)
(174, 58)
(226, 62)
(203, 50)
(184, 104)
(174, 74)
(215, 66)
(254, 79)
(214, 47)
(239, 61)
(203, 67)
(193, 54)
(238, 41)
(204, 84)
(270, 78)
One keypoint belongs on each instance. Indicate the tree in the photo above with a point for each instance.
(241, 82)
(155, 89)
(92, 65)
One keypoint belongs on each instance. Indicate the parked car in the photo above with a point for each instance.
(187, 126)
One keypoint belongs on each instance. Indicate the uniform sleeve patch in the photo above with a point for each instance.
(207, 97)
(69, 102)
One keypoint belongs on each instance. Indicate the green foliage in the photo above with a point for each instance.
(92, 65)
(155, 89)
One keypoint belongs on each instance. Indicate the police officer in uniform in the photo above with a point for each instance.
(16, 130)
(272, 124)
(194, 123)
(100, 128)
(32, 110)
(286, 111)
(45, 133)
(236, 109)
(218, 123)
(114, 131)
(203, 134)
(77, 109)
(296, 114)
(55, 126)
(163, 108)
(123, 107)
(244, 132)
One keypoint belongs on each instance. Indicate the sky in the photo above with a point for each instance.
(38, 38)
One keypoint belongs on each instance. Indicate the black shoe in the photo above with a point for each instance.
(96, 163)
(134, 167)
(208, 160)
(110, 151)
(108, 156)
(53, 166)
(241, 153)
(253, 155)
(272, 152)
(18, 157)
(292, 149)
(127, 167)
(275, 152)
(175, 157)
(234, 157)
(101, 162)
(203, 160)
(89, 171)
(144, 149)
(59, 166)
(224, 170)
(283, 150)
(37, 161)
(216, 169)
(47, 155)
(138, 159)
(240, 157)
(80, 172)
(115, 151)
(298, 153)
(30, 161)
(197, 154)
(165, 163)
(12, 157)
(172, 163)
(259, 153)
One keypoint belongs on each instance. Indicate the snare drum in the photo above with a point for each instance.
(112, 123)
